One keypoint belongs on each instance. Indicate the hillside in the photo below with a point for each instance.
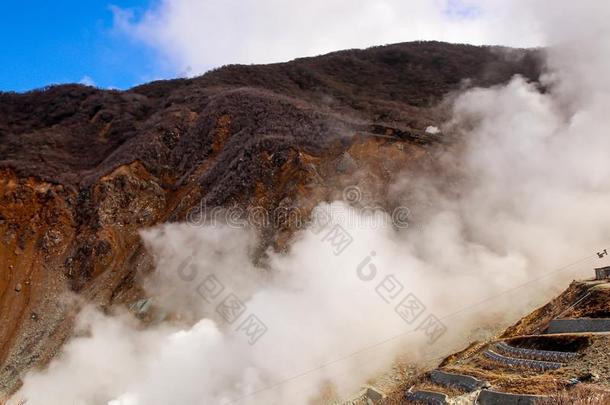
(82, 170)
(556, 353)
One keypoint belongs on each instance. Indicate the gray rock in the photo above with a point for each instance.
(374, 394)
(346, 163)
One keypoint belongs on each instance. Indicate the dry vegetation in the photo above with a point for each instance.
(579, 395)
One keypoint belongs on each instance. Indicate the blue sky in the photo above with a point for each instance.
(45, 42)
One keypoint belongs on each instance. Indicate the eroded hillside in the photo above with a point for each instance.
(82, 170)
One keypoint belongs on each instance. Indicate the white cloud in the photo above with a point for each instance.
(195, 35)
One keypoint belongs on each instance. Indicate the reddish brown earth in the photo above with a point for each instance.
(82, 170)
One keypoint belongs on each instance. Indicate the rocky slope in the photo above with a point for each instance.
(82, 170)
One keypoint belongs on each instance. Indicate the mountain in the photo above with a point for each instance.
(83, 170)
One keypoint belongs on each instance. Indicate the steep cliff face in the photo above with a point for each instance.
(82, 170)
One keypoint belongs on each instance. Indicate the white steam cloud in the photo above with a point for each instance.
(532, 194)
(315, 306)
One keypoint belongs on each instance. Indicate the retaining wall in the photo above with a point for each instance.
(427, 397)
(581, 325)
(534, 354)
(464, 382)
(525, 363)
(487, 397)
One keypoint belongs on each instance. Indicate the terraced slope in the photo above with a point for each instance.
(535, 359)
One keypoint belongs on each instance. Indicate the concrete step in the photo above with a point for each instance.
(505, 349)
(522, 363)
(464, 382)
(427, 397)
(580, 325)
(488, 397)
